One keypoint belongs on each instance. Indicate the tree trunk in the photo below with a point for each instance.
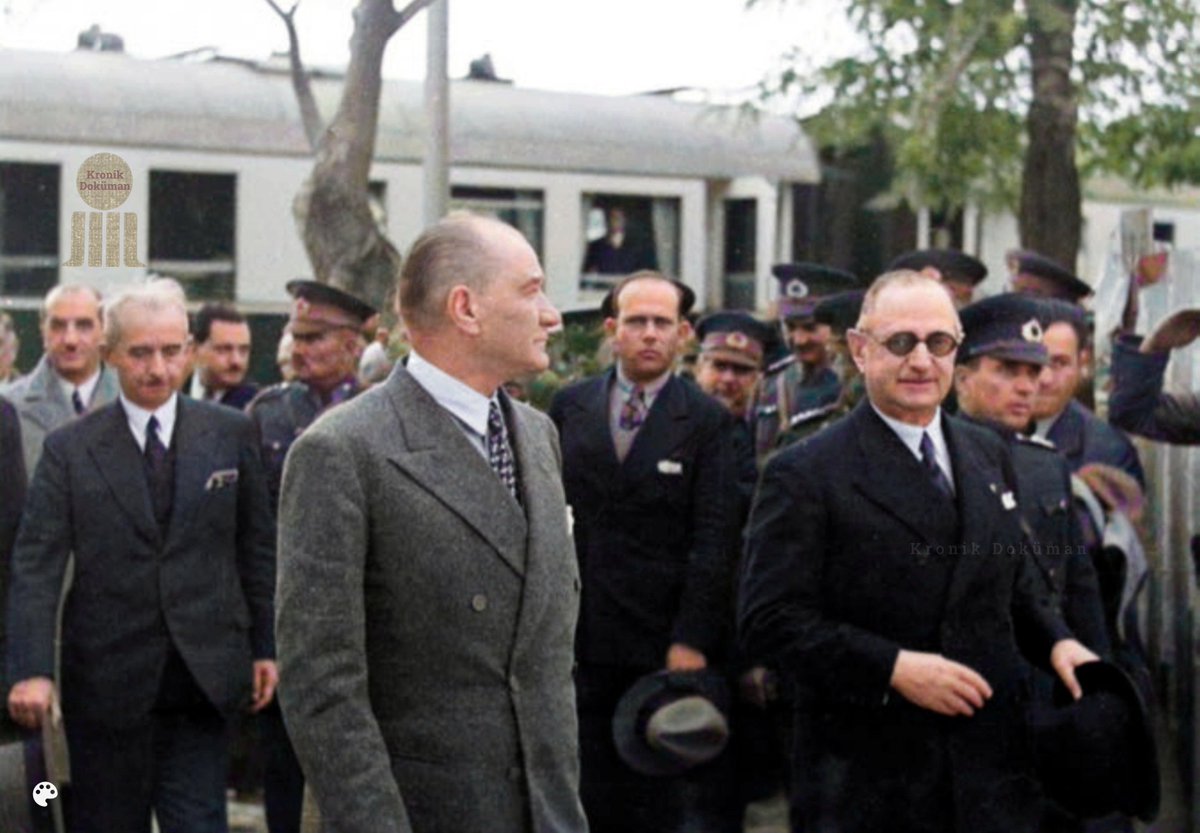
(345, 246)
(1050, 220)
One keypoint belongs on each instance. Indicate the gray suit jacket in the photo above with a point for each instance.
(425, 622)
(42, 405)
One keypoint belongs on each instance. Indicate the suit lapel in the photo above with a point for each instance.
(1067, 432)
(894, 480)
(980, 500)
(596, 436)
(193, 464)
(119, 462)
(432, 449)
(664, 428)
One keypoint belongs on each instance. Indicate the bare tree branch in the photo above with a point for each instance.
(309, 114)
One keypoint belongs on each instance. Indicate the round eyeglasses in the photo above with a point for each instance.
(939, 344)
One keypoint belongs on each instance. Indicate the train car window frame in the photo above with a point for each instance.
(30, 200)
(193, 231)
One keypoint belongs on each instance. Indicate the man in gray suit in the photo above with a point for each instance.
(427, 588)
(69, 379)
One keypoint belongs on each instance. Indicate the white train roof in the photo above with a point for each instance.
(229, 106)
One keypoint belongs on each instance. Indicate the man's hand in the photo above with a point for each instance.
(1065, 657)
(757, 687)
(30, 701)
(941, 685)
(266, 678)
(1175, 331)
(682, 658)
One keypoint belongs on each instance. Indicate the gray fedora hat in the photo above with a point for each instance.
(667, 723)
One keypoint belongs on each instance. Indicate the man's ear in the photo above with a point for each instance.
(610, 327)
(857, 343)
(461, 309)
(685, 329)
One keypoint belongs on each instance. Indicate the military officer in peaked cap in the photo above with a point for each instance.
(729, 367)
(840, 313)
(959, 271)
(996, 378)
(1034, 274)
(327, 326)
(803, 380)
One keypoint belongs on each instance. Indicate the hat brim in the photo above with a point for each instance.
(732, 356)
(321, 293)
(631, 743)
(1024, 352)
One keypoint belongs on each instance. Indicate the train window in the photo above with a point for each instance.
(627, 233)
(29, 255)
(524, 210)
(192, 221)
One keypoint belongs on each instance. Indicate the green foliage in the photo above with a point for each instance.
(948, 84)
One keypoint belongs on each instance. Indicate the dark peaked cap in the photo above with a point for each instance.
(802, 285)
(322, 293)
(1021, 262)
(953, 265)
(840, 311)
(1004, 327)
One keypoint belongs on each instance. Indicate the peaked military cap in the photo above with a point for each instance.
(803, 285)
(321, 305)
(840, 311)
(953, 265)
(1004, 327)
(1064, 284)
(737, 335)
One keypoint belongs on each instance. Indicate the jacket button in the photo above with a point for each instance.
(479, 602)
(514, 685)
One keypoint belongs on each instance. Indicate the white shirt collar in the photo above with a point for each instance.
(139, 417)
(1043, 426)
(465, 403)
(910, 435)
(86, 389)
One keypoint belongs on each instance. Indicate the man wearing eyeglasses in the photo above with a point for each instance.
(886, 574)
(326, 325)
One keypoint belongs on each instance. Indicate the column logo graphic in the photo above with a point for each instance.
(104, 182)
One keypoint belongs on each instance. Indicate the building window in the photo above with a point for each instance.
(524, 210)
(29, 224)
(625, 234)
(741, 248)
(192, 221)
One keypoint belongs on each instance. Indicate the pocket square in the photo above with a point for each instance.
(670, 467)
(221, 479)
(1008, 501)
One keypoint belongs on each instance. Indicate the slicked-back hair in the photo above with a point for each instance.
(65, 289)
(450, 252)
(897, 278)
(155, 295)
(210, 312)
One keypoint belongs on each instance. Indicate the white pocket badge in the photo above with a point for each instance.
(221, 479)
(670, 467)
(1008, 501)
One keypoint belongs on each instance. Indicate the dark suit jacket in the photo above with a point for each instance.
(207, 586)
(1084, 438)
(426, 622)
(1138, 403)
(236, 397)
(852, 555)
(12, 497)
(652, 533)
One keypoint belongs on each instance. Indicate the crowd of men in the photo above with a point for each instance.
(858, 558)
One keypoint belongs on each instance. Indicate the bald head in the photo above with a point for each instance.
(461, 249)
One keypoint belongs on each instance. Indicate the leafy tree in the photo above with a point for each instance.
(1006, 103)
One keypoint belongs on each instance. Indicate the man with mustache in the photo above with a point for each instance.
(222, 356)
(649, 473)
(804, 380)
(70, 378)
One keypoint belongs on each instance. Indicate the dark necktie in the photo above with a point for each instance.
(633, 412)
(157, 474)
(499, 456)
(929, 460)
(77, 402)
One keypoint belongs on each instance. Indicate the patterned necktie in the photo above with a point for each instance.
(77, 402)
(633, 412)
(159, 475)
(929, 460)
(499, 456)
